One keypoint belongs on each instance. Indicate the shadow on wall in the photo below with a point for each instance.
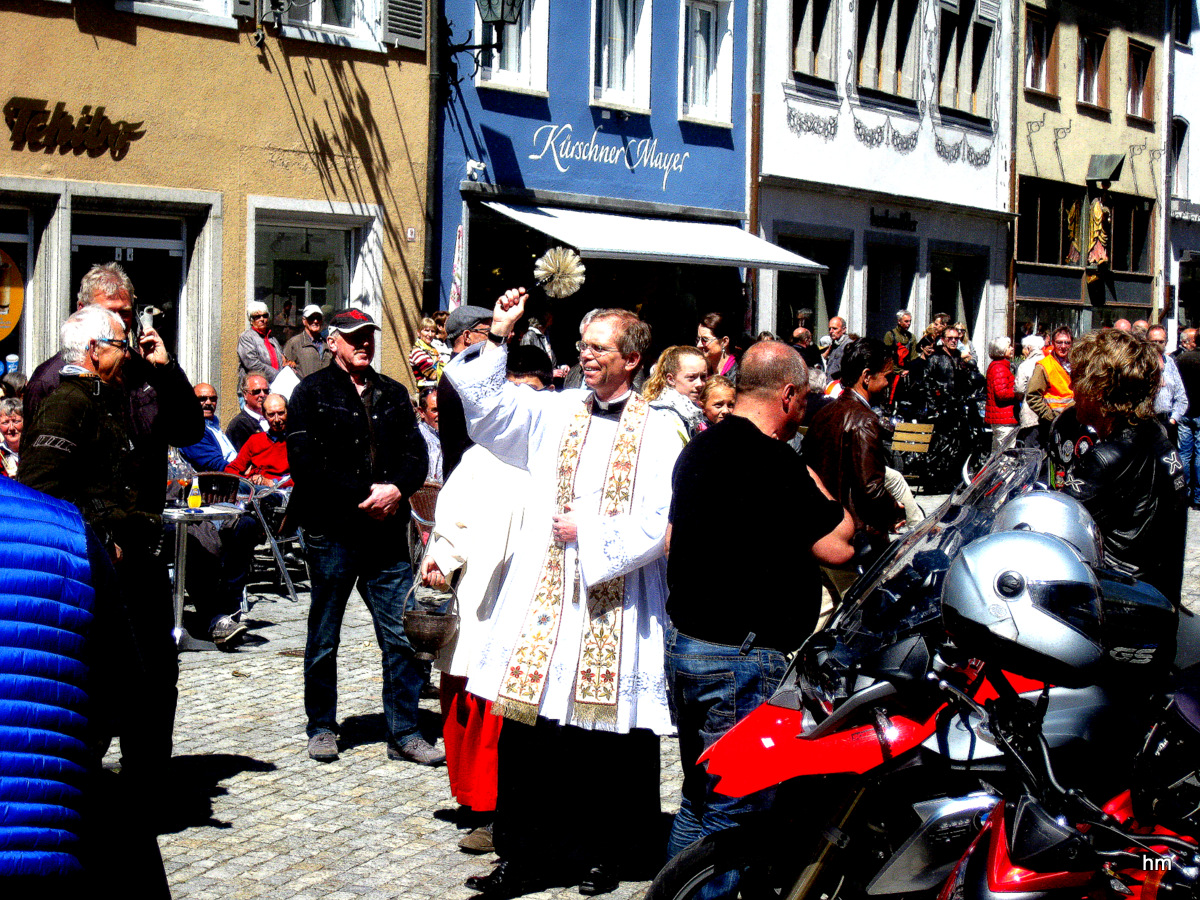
(338, 124)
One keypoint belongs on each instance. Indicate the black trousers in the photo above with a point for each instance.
(574, 798)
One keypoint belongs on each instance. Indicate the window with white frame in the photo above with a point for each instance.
(965, 60)
(621, 53)
(707, 60)
(1092, 81)
(1179, 157)
(1041, 51)
(324, 14)
(813, 35)
(1139, 94)
(216, 12)
(888, 35)
(520, 60)
(366, 24)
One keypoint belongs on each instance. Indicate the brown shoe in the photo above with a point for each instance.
(478, 841)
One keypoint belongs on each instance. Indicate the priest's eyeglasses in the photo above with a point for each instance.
(595, 350)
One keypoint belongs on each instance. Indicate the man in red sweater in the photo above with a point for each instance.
(263, 458)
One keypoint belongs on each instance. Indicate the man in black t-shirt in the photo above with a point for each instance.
(734, 616)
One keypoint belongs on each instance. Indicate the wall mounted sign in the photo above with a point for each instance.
(32, 125)
(559, 144)
(885, 219)
(12, 295)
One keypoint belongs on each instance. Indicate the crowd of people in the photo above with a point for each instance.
(576, 517)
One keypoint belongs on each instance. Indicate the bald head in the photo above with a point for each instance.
(275, 411)
(769, 365)
(1122, 325)
(207, 395)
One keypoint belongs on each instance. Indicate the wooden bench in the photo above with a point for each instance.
(912, 437)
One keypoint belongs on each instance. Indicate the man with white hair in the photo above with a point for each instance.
(900, 340)
(78, 448)
(257, 349)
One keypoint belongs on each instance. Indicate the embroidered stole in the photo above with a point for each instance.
(599, 657)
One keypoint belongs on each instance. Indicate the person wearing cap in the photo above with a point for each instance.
(356, 457)
(307, 351)
(257, 348)
(466, 327)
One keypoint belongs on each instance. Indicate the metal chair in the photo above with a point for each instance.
(223, 487)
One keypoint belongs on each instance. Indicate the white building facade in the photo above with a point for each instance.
(886, 156)
(1184, 228)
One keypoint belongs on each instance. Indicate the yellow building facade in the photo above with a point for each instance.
(221, 156)
(1089, 149)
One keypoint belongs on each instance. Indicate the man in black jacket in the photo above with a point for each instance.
(356, 457)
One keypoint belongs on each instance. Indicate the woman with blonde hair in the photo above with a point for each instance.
(675, 384)
(1114, 456)
(425, 361)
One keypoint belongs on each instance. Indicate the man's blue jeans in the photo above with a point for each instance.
(1189, 452)
(383, 575)
(711, 687)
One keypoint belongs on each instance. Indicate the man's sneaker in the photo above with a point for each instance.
(227, 632)
(418, 751)
(322, 747)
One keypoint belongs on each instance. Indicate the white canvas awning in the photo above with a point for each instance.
(598, 235)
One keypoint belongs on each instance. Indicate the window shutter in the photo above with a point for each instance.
(988, 11)
(244, 8)
(404, 23)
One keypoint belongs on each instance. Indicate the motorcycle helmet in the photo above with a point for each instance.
(1051, 512)
(1166, 774)
(1029, 603)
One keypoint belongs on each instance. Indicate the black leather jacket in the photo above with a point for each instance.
(339, 444)
(1133, 484)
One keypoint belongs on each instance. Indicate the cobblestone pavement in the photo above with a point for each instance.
(254, 817)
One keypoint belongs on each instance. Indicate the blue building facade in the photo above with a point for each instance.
(628, 107)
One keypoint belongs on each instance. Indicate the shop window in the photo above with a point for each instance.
(297, 266)
(965, 70)
(1179, 158)
(621, 54)
(1048, 223)
(520, 61)
(813, 35)
(812, 299)
(1041, 52)
(364, 24)
(707, 60)
(1092, 83)
(14, 275)
(1131, 233)
(887, 46)
(1139, 95)
(153, 252)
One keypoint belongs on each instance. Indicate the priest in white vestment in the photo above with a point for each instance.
(574, 659)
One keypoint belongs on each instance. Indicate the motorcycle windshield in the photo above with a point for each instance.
(900, 596)
(902, 591)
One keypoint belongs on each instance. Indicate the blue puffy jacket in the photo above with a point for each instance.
(46, 603)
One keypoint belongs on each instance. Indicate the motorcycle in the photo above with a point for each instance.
(857, 727)
(1042, 840)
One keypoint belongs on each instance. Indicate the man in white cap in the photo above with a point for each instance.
(307, 351)
(356, 457)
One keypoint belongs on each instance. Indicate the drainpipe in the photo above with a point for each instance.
(429, 281)
(1168, 107)
(1018, 91)
(754, 166)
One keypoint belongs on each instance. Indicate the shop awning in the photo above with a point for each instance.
(598, 235)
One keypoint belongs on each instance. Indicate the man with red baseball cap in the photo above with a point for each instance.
(356, 458)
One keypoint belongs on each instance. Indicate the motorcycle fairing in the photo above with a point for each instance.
(766, 748)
